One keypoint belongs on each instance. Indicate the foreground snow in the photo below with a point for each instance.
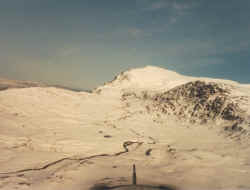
(58, 139)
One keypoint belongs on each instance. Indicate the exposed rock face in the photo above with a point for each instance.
(199, 101)
(196, 102)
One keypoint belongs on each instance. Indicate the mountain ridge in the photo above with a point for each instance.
(154, 78)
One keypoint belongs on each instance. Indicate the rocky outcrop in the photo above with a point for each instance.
(196, 102)
(199, 101)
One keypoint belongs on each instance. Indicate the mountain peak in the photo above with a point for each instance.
(148, 77)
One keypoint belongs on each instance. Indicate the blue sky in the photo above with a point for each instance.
(84, 43)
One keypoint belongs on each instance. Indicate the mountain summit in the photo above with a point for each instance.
(151, 78)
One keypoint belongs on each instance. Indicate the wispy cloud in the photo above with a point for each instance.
(130, 33)
(154, 5)
(181, 6)
(209, 50)
(180, 9)
(175, 8)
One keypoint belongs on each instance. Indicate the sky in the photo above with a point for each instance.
(84, 43)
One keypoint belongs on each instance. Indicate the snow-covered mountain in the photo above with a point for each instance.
(152, 78)
(190, 99)
(182, 131)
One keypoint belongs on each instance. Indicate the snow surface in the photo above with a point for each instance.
(53, 138)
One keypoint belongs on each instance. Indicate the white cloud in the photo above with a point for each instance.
(181, 6)
(175, 8)
(154, 5)
(157, 5)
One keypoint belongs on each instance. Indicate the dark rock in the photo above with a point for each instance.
(148, 152)
(234, 128)
(107, 136)
(201, 100)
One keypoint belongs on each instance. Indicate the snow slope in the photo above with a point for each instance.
(53, 138)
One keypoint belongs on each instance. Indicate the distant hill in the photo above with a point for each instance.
(7, 84)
